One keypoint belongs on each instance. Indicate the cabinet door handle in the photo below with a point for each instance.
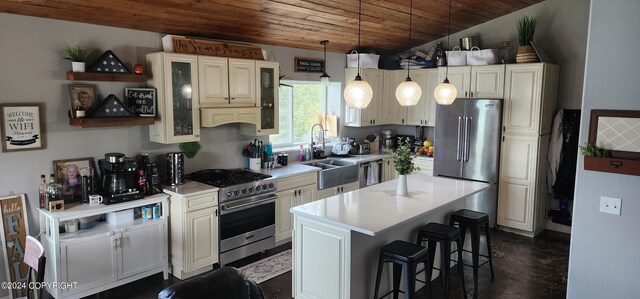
(115, 243)
(466, 93)
(216, 212)
(233, 98)
(504, 128)
(471, 94)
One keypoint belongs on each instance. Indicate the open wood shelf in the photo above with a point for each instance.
(106, 77)
(110, 122)
(613, 165)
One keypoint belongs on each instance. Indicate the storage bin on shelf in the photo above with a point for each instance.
(367, 61)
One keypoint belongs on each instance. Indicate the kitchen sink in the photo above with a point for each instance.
(334, 172)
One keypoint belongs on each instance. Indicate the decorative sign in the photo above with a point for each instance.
(309, 65)
(112, 107)
(21, 127)
(141, 101)
(211, 48)
(14, 234)
(109, 63)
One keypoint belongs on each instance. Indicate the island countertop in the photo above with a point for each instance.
(375, 209)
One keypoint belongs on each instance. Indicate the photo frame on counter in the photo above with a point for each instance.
(22, 127)
(141, 101)
(15, 228)
(82, 95)
(68, 174)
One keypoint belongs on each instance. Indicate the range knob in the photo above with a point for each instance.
(271, 186)
(236, 192)
(251, 190)
(244, 191)
(229, 193)
(258, 188)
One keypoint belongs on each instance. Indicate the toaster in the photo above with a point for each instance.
(364, 149)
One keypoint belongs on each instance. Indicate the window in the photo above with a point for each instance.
(301, 105)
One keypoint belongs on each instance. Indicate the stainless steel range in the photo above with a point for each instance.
(247, 211)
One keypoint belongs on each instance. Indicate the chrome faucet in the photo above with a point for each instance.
(322, 129)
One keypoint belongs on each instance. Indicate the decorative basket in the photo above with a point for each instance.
(367, 61)
(456, 57)
(482, 57)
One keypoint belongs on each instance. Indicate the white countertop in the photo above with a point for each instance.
(189, 188)
(289, 170)
(377, 208)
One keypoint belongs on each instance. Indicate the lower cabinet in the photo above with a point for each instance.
(389, 171)
(107, 255)
(328, 192)
(194, 231)
(292, 191)
(425, 164)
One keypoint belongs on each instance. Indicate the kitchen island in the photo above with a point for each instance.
(337, 240)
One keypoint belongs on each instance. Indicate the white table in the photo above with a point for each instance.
(337, 240)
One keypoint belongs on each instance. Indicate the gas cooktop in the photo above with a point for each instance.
(226, 177)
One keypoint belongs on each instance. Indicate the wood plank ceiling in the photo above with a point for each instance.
(289, 23)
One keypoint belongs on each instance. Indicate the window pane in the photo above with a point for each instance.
(307, 105)
(284, 106)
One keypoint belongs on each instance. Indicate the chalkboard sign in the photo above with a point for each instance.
(309, 65)
(141, 101)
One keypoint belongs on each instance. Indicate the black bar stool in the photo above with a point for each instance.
(475, 221)
(434, 233)
(403, 255)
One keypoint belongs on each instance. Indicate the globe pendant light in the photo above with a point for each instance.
(445, 93)
(358, 93)
(408, 92)
(324, 79)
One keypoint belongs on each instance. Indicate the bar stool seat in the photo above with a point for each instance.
(404, 256)
(434, 233)
(475, 221)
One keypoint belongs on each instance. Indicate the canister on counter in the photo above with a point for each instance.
(156, 212)
(147, 213)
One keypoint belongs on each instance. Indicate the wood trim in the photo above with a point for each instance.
(106, 77)
(612, 165)
(110, 122)
(593, 129)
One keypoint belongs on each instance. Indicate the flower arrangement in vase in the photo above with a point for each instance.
(526, 28)
(403, 163)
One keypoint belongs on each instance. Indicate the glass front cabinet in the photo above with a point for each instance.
(175, 77)
(267, 85)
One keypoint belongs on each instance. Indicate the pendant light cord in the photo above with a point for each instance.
(359, 24)
(448, 36)
(409, 48)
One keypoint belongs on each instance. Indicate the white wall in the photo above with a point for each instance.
(604, 260)
(32, 70)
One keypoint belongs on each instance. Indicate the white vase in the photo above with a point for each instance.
(402, 185)
(77, 66)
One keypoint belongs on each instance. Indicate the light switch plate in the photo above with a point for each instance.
(610, 205)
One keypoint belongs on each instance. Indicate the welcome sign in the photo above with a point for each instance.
(14, 235)
(21, 127)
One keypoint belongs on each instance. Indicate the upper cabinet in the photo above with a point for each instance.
(227, 82)
(175, 76)
(369, 116)
(485, 81)
(390, 108)
(423, 113)
(267, 87)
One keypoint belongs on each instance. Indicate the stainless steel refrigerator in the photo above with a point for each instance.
(467, 146)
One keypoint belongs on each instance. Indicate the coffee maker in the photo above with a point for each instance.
(388, 141)
(119, 178)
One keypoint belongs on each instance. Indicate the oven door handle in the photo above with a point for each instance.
(224, 209)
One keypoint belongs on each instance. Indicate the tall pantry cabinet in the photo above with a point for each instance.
(529, 104)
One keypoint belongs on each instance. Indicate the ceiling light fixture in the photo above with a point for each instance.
(358, 93)
(408, 92)
(324, 79)
(446, 92)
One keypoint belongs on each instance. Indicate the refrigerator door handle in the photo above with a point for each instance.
(467, 141)
(459, 147)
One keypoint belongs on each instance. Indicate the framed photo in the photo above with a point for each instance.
(22, 127)
(83, 95)
(68, 174)
(141, 101)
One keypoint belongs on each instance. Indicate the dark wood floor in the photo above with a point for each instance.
(524, 268)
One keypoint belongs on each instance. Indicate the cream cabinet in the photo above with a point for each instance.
(389, 171)
(107, 255)
(328, 192)
(391, 112)
(424, 113)
(529, 98)
(485, 81)
(267, 86)
(175, 77)
(194, 229)
(371, 115)
(425, 164)
(226, 82)
(292, 191)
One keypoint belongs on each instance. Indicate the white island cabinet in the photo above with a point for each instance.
(337, 240)
(107, 255)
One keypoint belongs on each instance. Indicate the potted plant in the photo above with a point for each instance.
(77, 55)
(404, 164)
(592, 150)
(526, 28)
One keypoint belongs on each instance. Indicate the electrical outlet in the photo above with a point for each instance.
(610, 205)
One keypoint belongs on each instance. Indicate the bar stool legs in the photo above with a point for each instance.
(405, 256)
(475, 221)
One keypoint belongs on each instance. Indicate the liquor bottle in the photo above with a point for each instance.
(142, 182)
(54, 190)
(42, 192)
(80, 113)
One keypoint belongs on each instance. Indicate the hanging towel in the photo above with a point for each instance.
(555, 151)
(372, 174)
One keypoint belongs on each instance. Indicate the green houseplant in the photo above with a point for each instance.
(592, 150)
(77, 55)
(526, 29)
(404, 164)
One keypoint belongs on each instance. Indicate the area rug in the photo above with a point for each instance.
(268, 268)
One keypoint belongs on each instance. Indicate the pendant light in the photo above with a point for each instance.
(358, 93)
(324, 79)
(446, 92)
(408, 92)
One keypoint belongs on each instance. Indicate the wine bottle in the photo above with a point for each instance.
(42, 192)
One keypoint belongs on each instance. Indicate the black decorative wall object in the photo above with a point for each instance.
(109, 63)
(112, 107)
